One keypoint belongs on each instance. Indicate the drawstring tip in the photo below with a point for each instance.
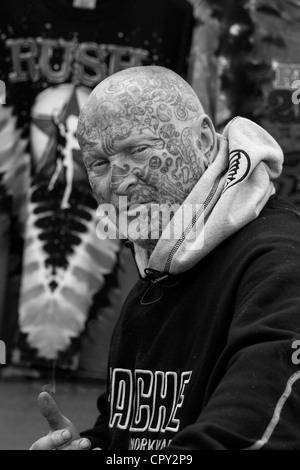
(155, 276)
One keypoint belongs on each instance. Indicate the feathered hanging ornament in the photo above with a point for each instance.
(14, 164)
(64, 267)
(65, 264)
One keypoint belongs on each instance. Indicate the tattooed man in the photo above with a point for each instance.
(202, 356)
(145, 137)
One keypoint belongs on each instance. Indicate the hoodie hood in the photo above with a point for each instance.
(231, 193)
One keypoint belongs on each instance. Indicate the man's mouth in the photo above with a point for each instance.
(138, 207)
(133, 206)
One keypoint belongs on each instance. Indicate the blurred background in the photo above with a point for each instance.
(61, 287)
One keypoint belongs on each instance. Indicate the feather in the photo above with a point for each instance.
(14, 163)
(65, 265)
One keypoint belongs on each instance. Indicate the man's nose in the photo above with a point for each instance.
(122, 179)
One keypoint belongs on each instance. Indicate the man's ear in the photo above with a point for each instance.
(208, 139)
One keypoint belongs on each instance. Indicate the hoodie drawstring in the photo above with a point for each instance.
(154, 278)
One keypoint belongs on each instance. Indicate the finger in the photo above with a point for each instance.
(79, 444)
(53, 440)
(97, 448)
(51, 412)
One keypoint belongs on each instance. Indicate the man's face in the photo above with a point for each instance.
(140, 142)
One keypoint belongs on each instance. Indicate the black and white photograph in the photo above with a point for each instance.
(149, 227)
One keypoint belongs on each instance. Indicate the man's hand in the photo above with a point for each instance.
(63, 434)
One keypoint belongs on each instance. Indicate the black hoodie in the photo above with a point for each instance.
(204, 360)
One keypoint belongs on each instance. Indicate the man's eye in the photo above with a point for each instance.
(100, 163)
(139, 149)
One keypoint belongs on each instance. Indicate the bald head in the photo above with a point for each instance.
(146, 99)
(144, 135)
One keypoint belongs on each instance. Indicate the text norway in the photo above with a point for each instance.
(153, 407)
